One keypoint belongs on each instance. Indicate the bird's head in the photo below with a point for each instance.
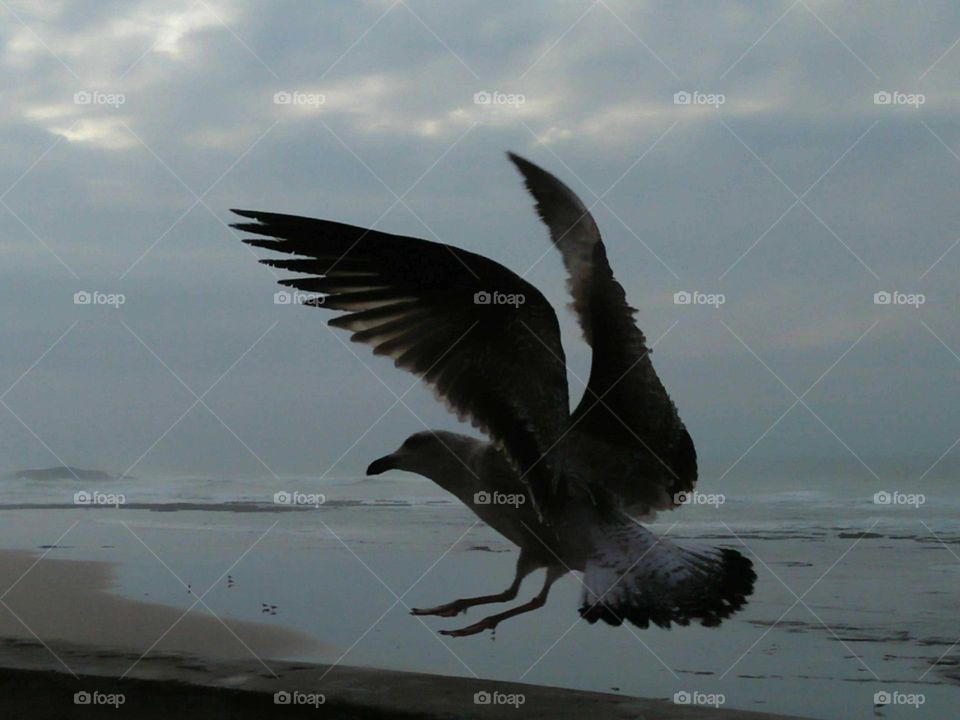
(440, 456)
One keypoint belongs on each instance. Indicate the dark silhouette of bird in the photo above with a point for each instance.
(567, 488)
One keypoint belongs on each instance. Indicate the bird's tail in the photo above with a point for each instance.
(635, 575)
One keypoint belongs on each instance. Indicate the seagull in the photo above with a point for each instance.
(568, 488)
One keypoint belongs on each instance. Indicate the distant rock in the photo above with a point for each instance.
(62, 473)
(859, 535)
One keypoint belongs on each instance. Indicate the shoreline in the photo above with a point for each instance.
(70, 601)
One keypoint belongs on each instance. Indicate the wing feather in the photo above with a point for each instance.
(421, 303)
(625, 407)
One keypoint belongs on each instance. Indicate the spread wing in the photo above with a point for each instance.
(486, 340)
(625, 404)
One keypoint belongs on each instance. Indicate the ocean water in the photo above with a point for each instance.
(855, 603)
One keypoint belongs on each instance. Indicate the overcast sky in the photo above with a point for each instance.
(128, 129)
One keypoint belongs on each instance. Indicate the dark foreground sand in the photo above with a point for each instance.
(65, 638)
(34, 685)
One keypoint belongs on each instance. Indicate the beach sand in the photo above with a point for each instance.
(62, 601)
(70, 648)
(334, 584)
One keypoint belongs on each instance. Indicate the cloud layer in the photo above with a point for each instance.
(786, 184)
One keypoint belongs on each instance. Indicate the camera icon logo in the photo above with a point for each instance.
(882, 498)
(282, 498)
(482, 98)
(681, 697)
(282, 297)
(681, 498)
(682, 298)
(82, 297)
(481, 698)
(882, 298)
(881, 697)
(282, 697)
(282, 98)
(82, 698)
(82, 497)
(84, 97)
(882, 98)
(482, 298)
(481, 498)
(682, 98)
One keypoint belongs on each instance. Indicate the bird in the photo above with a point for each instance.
(570, 489)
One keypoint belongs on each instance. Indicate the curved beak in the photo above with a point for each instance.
(381, 465)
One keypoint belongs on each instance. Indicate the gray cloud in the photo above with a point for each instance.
(101, 194)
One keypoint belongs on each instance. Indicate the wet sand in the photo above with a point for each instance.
(64, 636)
(337, 573)
(64, 601)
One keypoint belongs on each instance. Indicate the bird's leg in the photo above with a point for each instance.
(489, 623)
(451, 609)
